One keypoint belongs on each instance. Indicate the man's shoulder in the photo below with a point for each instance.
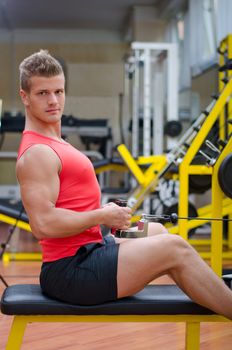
(37, 156)
(37, 150)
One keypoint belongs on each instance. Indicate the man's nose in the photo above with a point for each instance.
(52, 98)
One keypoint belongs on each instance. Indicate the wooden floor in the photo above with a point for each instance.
(100, 336)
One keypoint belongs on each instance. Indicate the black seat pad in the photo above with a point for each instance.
(27, 299)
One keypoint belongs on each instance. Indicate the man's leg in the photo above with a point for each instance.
(142, 260)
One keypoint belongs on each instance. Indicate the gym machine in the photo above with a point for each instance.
(152, 71)
(182, 156)
(216, 213)
(224, 74)
(160, 165)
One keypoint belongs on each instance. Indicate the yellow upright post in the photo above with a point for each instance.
(229, 128)
(192, 337)
(229, 49)
(183, 200)
(216, 226)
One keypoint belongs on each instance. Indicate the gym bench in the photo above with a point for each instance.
(155, 303)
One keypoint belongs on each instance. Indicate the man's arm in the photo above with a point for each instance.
(38, 175)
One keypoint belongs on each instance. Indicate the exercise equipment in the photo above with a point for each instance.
(192, 212)
(172, 128)
(217, 195)
(147, 181)
(152, 69)
(11, 213)
(199, 183)
(226, 66)
(142, 229)
(121, 203)
(224, 74)
(182, 156)
(13, 208)
(91, 131)
(155, 303)
(225, 175)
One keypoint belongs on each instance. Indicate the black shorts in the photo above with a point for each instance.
(87, 278)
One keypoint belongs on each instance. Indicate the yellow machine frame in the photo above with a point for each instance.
(225, 50)
(148, 183)
(217, 196)
(192, 331)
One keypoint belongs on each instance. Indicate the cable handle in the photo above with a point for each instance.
(173, 218)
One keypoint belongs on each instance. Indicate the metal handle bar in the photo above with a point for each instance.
(173, 218)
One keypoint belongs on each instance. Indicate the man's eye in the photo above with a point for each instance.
(42, 93)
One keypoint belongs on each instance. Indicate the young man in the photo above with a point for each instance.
(62, 199)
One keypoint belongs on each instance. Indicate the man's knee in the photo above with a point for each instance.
(176, 247)
(181, 250)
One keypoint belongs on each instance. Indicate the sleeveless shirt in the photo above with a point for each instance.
(79, 191)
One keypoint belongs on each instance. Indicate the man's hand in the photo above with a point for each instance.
(116, 216)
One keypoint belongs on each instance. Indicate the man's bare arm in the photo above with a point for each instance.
(38, 174)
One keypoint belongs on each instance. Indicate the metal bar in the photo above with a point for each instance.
(147, 104)
(172, 89)
(151, 46)
(16, 333)
(135, 107)
(158, 114)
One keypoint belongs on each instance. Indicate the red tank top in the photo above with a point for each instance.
(79, 191)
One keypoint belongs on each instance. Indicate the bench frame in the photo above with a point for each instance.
(192, 331)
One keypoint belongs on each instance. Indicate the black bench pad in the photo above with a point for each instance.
(27, 299)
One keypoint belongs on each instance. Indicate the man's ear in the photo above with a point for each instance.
(24, 97)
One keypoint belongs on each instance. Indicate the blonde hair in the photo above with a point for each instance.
(40, 63)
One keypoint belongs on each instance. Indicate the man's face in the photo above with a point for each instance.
(46, 98)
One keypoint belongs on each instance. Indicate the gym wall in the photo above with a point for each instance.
(95, 71)
(92, 96)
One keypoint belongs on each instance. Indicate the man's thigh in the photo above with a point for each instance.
(142, 260)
